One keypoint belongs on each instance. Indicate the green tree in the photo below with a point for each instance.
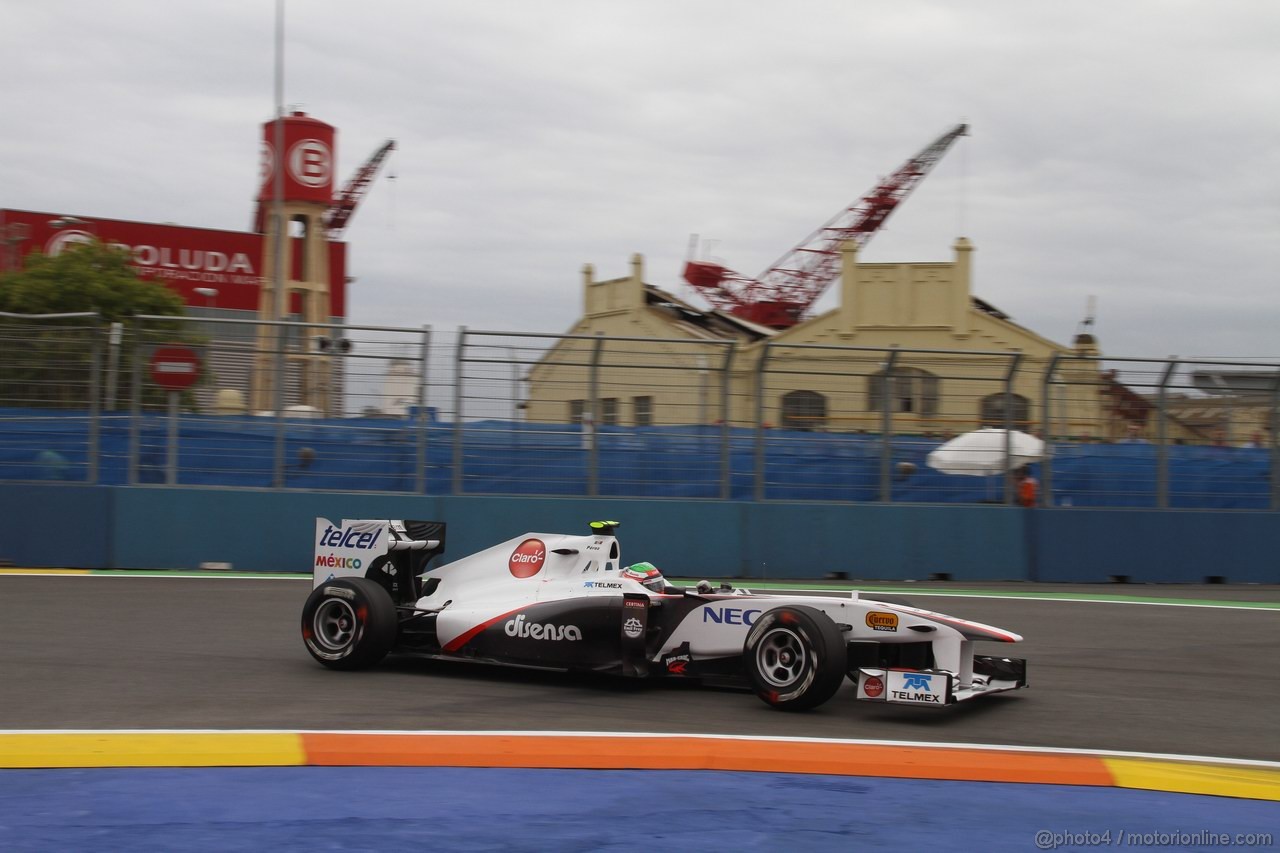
(49, 363)
(92, 277)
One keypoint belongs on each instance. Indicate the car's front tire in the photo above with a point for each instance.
(794, 658)
(349, 623)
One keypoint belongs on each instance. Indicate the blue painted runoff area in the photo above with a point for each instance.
(158, 527)
(475, 809)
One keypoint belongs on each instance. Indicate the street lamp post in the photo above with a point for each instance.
(210, 295)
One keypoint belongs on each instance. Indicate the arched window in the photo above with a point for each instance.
(805, 410)
(992, 411)
(910, 390)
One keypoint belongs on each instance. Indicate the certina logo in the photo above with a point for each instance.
(348, 537)
(633, 627)
(729, 615)
(311, 163)
(517, 627)
(527, 559)
(878, 620)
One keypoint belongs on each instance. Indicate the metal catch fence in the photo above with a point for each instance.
(219, 402)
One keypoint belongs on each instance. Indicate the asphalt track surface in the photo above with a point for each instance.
(222, 653)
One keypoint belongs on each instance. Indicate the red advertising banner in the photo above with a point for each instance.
(229, 262)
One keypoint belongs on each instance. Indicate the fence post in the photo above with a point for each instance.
(1046, 464)
(593, 406)
(726, 457)
(281, 371)
(1014, 361)
(95, 406)
(135, 405)
(420, 458)
(886, 427)
(459, 351)
(1162, 438)
(760, 455)
(1275, 444)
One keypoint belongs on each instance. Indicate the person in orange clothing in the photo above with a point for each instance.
(1028, 487)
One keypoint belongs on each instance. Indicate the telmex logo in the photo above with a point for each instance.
(517, 627)
(878, 620)
(916, 681)
(347, 537)
(527, 559)
(729, 615)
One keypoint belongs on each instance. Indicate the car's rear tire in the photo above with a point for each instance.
(794, 658)
(349, 623)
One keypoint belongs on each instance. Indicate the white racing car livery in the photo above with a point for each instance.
(565, 602)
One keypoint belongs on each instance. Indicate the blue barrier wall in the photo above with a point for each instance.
(263, 530)
(56, 525)
(1089, 545)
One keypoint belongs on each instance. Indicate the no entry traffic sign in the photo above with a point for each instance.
(175, 367)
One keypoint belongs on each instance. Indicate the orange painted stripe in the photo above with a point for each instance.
(695, 753)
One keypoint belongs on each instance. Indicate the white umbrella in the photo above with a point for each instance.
(982, 453)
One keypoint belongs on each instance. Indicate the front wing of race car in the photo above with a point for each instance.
(935, 688)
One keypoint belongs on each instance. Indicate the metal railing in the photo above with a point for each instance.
(389, 409)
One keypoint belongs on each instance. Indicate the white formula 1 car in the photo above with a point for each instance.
(565, 602)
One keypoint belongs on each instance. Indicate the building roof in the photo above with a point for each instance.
(713, 324)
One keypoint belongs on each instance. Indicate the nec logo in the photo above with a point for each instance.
(348, 537)
(916, 681)
(729, 615)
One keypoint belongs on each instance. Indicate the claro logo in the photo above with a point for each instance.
(517, 627)
(527, 559)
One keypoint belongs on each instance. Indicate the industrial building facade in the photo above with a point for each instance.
(907, 340)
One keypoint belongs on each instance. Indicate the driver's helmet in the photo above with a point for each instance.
(646, 574)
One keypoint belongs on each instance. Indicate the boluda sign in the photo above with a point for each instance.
(181, 258)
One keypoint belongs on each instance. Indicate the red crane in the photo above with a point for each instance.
(344, 204)
(782, 294)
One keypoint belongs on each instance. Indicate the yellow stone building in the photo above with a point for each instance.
(653, 359)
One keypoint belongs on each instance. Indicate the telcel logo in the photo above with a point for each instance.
(527, 559)
(729, 615)
(347, 537)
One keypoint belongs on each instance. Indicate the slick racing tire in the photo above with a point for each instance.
(349, 623)
(794, 658)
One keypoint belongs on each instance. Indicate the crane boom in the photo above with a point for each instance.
(345, 202)
(780, 296)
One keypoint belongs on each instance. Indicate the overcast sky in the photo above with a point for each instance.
(1125, 150)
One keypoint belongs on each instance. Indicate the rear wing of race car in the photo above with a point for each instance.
(393, 553)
